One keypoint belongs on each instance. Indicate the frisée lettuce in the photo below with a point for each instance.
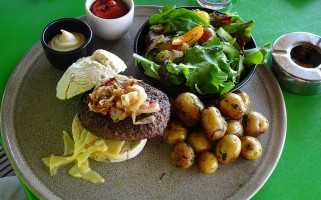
(210, 67)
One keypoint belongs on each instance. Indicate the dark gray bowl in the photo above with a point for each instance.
(63, 59)
(139, 46)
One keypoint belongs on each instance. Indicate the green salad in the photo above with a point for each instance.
(204, 51)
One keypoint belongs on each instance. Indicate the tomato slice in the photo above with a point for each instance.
(207, 35)
(189, 37)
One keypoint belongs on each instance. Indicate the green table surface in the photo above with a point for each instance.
(298, 172)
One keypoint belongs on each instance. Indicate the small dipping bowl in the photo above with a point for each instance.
(110, 29)
(63, 59)
(296, 62)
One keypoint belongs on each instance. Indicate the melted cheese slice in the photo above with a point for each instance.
(69, 144)
(79, 150)
(83, 171)
(113, 151)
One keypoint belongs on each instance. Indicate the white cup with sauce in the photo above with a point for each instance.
(110, 29)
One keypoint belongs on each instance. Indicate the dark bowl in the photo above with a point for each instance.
(139, 46)
(63, 59)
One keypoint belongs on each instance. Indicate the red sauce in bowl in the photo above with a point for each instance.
(109, 9)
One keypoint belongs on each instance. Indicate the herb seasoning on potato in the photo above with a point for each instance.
(228, 149)
(207, 163)
(213, 123)
(175, 132)
(234, 127)
(232, 105)
(251, 148)
(199, 141)
(245, 97)
(189, 108)
(255, 124)
(182, 155)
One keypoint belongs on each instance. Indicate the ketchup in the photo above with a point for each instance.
(109, 9)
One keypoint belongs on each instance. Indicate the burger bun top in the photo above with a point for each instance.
(87, 72)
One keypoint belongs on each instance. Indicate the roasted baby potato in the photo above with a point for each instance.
(245, 97)
(207, 162)
(213, 123)
(175, 132)
(189, 108)
(182, 155)
(255, 124)
(232, 105)
(199, 141)
(251, 148)
(234, 127)
(228, 149)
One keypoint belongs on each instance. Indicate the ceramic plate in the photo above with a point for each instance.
(33, 120)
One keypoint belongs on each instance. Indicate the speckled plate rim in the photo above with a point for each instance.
(42, 191)
(7, 128)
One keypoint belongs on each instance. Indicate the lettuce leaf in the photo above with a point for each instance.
(151, 68)
(206, 79)
(242, 31)
(210, 53)
(239, 28)
(176, 72)
(257, 55)
(213, 72)
(182, 20)
(240, 68)
(236, 18)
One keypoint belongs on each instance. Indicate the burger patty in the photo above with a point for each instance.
(104, 127)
